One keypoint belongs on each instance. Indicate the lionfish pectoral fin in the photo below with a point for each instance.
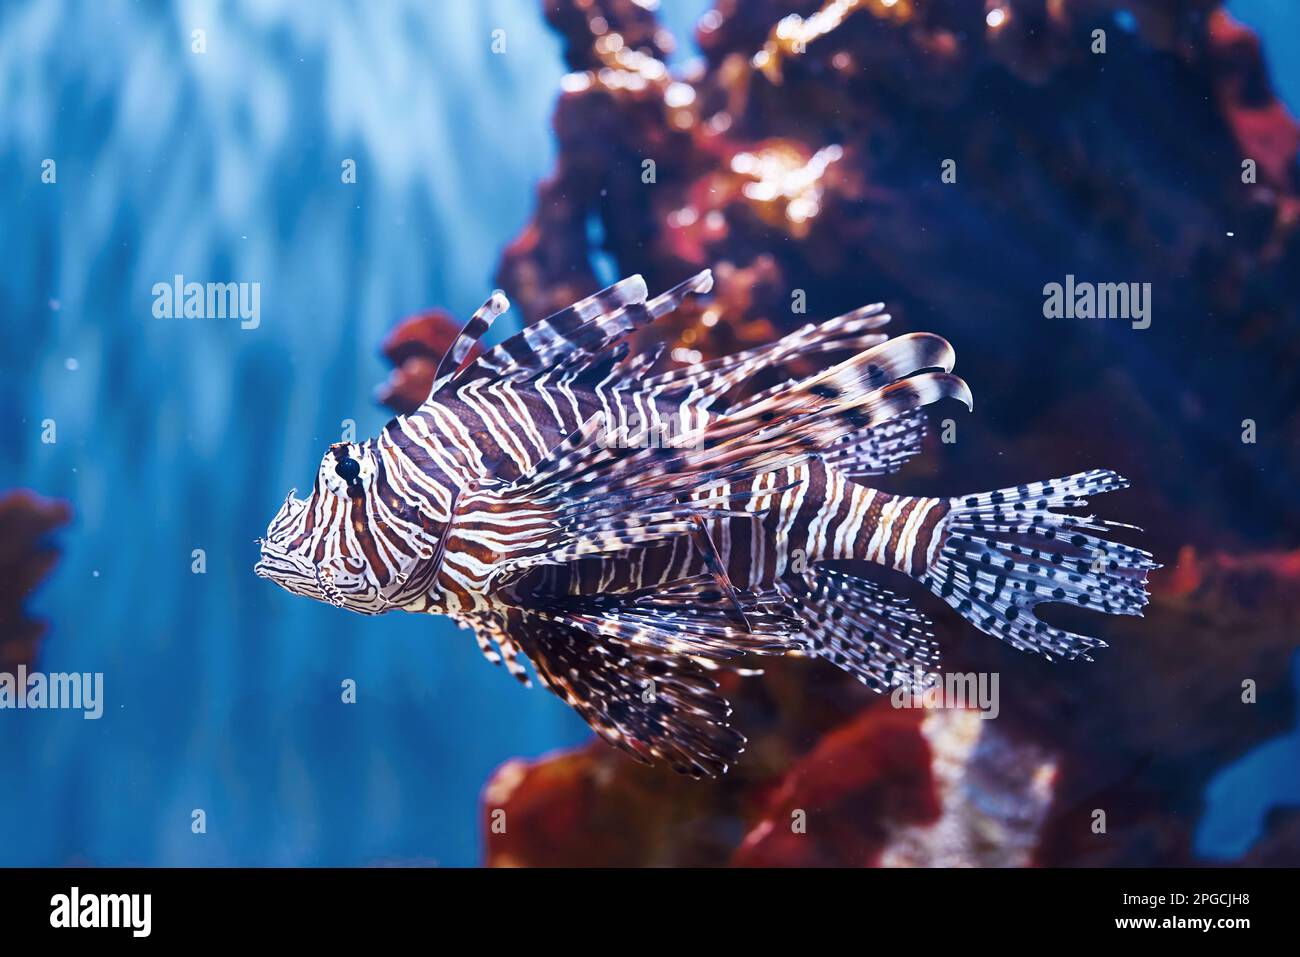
(649, 702)
(713, 561)
(440, 551)
(492, 632)
(638, 665)
(689, 616)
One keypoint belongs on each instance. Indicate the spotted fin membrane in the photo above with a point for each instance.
(1009, 551)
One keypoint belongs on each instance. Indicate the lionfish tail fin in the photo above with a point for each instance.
(1005, 552)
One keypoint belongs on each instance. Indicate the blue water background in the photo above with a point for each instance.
(222, 692)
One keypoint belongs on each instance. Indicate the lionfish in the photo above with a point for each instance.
(529, 500)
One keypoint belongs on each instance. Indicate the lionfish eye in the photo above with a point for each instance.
(348, 469)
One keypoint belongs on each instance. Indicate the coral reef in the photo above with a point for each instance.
(803, 157)
(26, 558)
(943, 787)
(414, 348)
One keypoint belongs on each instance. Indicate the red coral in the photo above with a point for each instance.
(26, 558)
(839, 803)
(415, 347)
(1276, 574)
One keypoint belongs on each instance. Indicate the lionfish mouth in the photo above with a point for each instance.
(290, 572)
(301, 576)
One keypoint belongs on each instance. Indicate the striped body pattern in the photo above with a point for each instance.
(629, 533)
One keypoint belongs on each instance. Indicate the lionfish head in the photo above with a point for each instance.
(325, 547)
